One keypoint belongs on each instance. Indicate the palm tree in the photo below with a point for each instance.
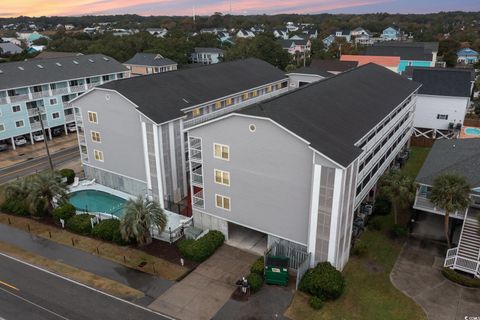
(19, 189)
(450, 192)
(399, 188)
(44, 188)
(140, 214)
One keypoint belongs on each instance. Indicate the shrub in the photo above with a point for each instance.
(323, 281)
(315, 302)
(456, 277)
(360, 249)
(65, 212)
(69, 174)
(80, 224)
(199, 250)
(376, 224)
(255, 281)
(258, 266)
(382, 205)
(108, 230)
(16, 206)
(399, 231)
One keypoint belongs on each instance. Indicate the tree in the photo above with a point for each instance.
(450, 192)
(399, 188)
(140, 215)
(44, 188)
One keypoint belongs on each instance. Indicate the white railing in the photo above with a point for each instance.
(3, 100)
(60, 91)
(67, 105)
(35, 125)
(77, 88)
(170, 235)
(422, 203)
(197, 178)
(41, 94)
(69, 117)
(21, 97)
(34, 112)
(191, 122)
(450, 258)
(197, 199)
(195, 154)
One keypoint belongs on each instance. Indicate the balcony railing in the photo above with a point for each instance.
(197, 177)
(41, 94)
(194, 121)
(77, 88)
(454, 261)
(34, 112)
(35, 125)
(197, 199)
(195, 155)
(67, 105)
(424, 204)
(21, 97)
(69, 117)
(59, 91)
(3, 100)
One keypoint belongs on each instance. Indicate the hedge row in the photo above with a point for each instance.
(454, 276)
(323, 281)
(199, 250)
(69, 174)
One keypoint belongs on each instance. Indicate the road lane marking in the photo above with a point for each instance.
(9, 286)
(34, 304)
(85, 286)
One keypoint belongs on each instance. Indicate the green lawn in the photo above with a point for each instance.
(369, 293)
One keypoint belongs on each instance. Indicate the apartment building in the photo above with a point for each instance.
(131, 132)
(297, 167)
(29, 89)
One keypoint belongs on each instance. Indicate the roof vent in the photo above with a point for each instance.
(106, 59)
(75, 61)
(58, 64)
(21, 68)
(185, 100)
(40, 66)
(1, 71)
(91, 60)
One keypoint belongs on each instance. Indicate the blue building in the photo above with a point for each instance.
(45, 87)
(391, 34)
(467, 56)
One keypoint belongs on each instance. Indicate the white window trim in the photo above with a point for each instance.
(58, 113)
(2, 125)
(222, 172)
(96, 117)
(95, 152)
(23, 124)
(223, 197)
(91, 136)
(56, 101)
(221, 145)
(19, 108)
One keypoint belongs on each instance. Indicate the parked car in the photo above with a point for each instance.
(71, 127)
(3, 146)
(20, 141)
(38, 136)
(58, 131)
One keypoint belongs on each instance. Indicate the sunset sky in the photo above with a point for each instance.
(12, 8)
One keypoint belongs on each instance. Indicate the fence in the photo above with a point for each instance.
(471, 122)
(421, 142)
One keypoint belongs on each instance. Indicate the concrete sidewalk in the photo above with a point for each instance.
(151, 286)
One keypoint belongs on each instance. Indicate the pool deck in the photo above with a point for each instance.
(464, 135)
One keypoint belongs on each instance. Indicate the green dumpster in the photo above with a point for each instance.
(276, 270)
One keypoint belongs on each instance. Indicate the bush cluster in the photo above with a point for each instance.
(399, 231)
(17, 207)
(65, 212)
(323, 281)
(454, 276)
(80, 224)
(258, 266)
(199, 250)
(382, 205)
(108, 230)
(315, 302)
(69, 174)
(255, 281)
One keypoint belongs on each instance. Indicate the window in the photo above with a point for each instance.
(222, 202)
(269, 89)
(221, 151)
(442, 116)
(196, 112)
(53, 101)
(245, 96)
(229, 101)
(218, 104)
(16, 108)
(98, 155)
(2, 127)
(55, 115)
(255, 93)
(92, 117)
(222, 177)
(95, 136)
(19, 124)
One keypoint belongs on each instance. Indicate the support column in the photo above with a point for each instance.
(314, 198)
(13, 143)
(49, 133)
(31, 138)
(335, 217)
(65, 128)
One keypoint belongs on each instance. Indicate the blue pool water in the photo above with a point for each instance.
(472, 131)
(97, 201)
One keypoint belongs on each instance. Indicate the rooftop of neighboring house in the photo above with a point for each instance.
(186, 88)
(450, 82)
(343, 32)
(313, 70)
(34, 72)
(334, 114)
(7, 47)
(467, 51)
(404, 52)
(385, 61)
(333, 65)
(286, 44)
(209, 50)
(150, 60)
(461, 156)
(56, 55)
(432, 46)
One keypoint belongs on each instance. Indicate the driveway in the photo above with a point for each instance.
(204, 291)
(417, 274)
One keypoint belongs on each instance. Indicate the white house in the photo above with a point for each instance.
(280, 34)
(157, 32)
(243, 33)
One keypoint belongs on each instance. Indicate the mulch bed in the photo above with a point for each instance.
(167, 252)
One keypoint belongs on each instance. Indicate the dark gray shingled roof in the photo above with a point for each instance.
(405, 52)
(313, 70)
(333, 65)
(149, 59)
(162, 96)
(335, 113)
(461, 156)
(9, 48)
(11, 76)
(443, 81)
(432, 46)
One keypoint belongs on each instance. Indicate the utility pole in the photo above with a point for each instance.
(44, 137)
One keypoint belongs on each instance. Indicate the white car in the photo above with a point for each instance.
(38, 136)
(71, 127)
(20, 141)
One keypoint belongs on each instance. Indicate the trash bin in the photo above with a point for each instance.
(276, 270)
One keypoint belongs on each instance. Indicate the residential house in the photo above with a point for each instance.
(33, 87)
(280, 34)
(148, 63)
(460, 156)
(243, 33)
(90, 30)
(158, 32)
(391, 34)
(327, 41)
(7, 48)
(215, 31)
(257, 29)
(297, 47)
(295, 169)
(343, 34)
(31, 37)
(467, 56)
(207, 55)
(15, 41)
(306, 75)
(390, 63)
(442, 101)
(291, 27)
(69, 27)
(333, 66)
(148, 115)
(311, 33)
(225, 38)
(362, 36)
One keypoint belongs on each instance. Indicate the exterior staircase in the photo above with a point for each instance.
(466, 257)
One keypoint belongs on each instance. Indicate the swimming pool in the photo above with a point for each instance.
(97, 201)
(472, 131)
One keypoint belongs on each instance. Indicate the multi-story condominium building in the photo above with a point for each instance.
(148, 63)
(297, 167)
(131, 132)
(207, 55)
(45, 87)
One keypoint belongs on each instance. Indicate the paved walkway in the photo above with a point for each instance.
(417, 274)
(204, 291)
(148, 284)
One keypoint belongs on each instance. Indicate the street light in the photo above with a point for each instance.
(44, 136)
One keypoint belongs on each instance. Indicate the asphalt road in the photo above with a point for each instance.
(38, 164)
(29, 293)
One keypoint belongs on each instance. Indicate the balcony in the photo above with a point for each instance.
(197, 177)
(214, 114)
(34, 112)
(59, 91)
(40, 94)
(196, 155)
(20, 97)
(67, 105)
(197, 200)
(69, 117)
(82, 140)
(424, 204)
(35, 125)
(3, 100)
(77, 88)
